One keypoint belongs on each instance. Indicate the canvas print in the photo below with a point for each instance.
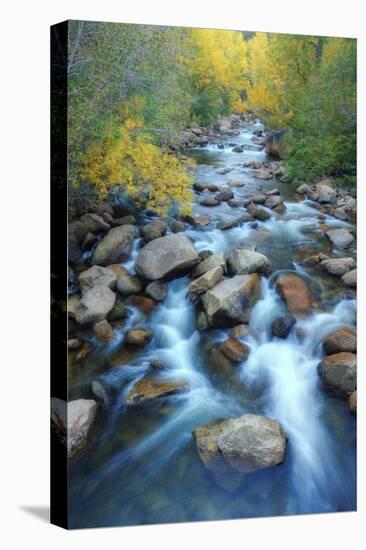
(204, 343)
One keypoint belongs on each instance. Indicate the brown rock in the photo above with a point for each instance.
(234, 350)
(103, 331)
(352, 402)
(139, 337)
(150, 388)
(295, 293)
(146, 305)
(343, 339)
(339, 373)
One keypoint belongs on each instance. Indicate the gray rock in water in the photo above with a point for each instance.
(95, 223)
(326, 194)
(154, 230)
(149, 387)
(350, 279)
(95, 305)
(101, 392)
(73, 421)
(341, 238)
(282, 326)
(242, 261)
(224, 195)
(166, 257)
(208, 263)
(338, 266)
(103, 331)
(129, 284)
(177, 226)
(343, 339)
(273, 201)
(233, 448)
(205, 282)
(258, 212)
(115, 246)
(230, 301)
(97, 276)
(157, 290)
(339, 373)
(139, 337)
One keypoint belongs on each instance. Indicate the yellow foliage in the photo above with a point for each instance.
(152, 178)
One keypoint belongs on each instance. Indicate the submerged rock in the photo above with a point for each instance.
(230, 301)
(343, 339)
(233, 448)
(234, 350)
(150, 388)
(95, 305)
(339, 373)
(338, 266)
(157, 290)
(282, 326)
(139, 337)
(73, 421)
(166, 257)
(115, 246)
(242, 261)
(240, 331)
(295, 293)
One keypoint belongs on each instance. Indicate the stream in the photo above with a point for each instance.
(142, 465)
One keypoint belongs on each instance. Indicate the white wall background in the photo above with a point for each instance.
(24, 218)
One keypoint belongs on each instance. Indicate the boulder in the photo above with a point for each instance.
(242, 261)
(72, 303)
(209, 201)
(230, 301)
(272, 192)
(229, 224)
(343, 339)
(240, 331)
(282, 326)
(139, 337)
(166, 257)
(115, 246)
(144, 304)
(154, 230)
(314, 260)
(257, 199)
(341, 214)
(157, 290)
(235, 183)
(341, 238)
(94, 305)
(224, 195)
(129, 284)
(73, 421)
(303, 189)
(201, 321)
(273, 201)
(82, 352)
(200, 187)
(326, 194)
(208, 263)
(205, 282)
(125, 220)
(118, 312)
(352, 402)
(339, 373)
(257, 212)
(97, 276)
(350, 278)
(103, 331)
(177, 226)
(235, 447)
(150, 388)
(198, 221)
(74, 250)
(295, 293)
(89, 241)
(79, 229)
(74, 343)
(234, 350)
(338, 266)
(264, 174)
(95, 223)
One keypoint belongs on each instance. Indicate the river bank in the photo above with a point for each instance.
(244, 309)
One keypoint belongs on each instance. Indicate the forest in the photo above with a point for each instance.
(134, 88)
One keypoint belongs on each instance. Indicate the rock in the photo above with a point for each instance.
(280, 208)
(282, 326)
(101, 392)
(238, 149)
(200, 187)
(82, 352)
(234, 350)
(352, 402)
(242, 261)
(350, 278)
(246, 217)
(233, 203)
(118, 312)
(235, 183)
(146, 305)
(72, 303)
(79, 229)
(157, 290)
(224, 195)
(205, 282)
(107, 217)
(204, 254)
(89, 241)
(115, 246)
(314, 260)
(343, 339)
(95, 223)
(326, 194)
(103, 206)
(338, 266)
(177, 226)
(74, 343)
(201, 321)
(74, 251)
(257, 199)
(166, 257)
(275, 144)
(263, 174)
(156, 364)
(103, 331)
(208, 263)
(273, 201)
(272, 192)
(73, 421)
(97, 276)
(341, 238)
(198, 221)
(209, 201)
(240, 331)
(339, 373)
(341, 214)
(295, 293)
(234, 447)
(125, 220)
(154, 230)
(230, 301)
(303, 189)
(257, 212)
(129, 284)
(139, 337)
(229, 224)
(95, 305)
(150, 388)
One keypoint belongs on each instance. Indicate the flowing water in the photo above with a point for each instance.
(142, 465)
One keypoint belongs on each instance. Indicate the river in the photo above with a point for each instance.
(142, 465)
